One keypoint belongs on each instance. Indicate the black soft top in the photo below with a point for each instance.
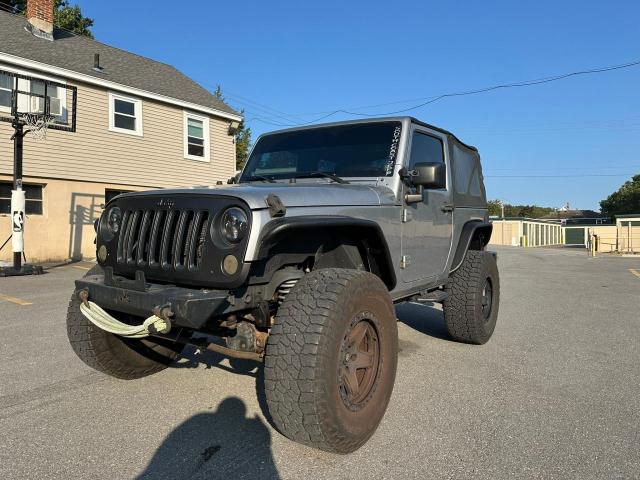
(442, 130)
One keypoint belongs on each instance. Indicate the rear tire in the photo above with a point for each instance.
(112, 354)
(331, 359)
(471, 310)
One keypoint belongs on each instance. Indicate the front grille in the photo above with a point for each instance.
(163, 239)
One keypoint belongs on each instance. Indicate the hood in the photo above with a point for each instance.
(301, 194)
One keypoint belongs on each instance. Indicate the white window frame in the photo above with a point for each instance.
(137, 108)
(205, 134)
(2, 107)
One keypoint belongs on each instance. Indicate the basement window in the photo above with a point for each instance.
(125, 114)
(196, 137)
(33, 194)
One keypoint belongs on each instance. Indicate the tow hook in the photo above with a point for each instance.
(83, 295)
(165, 313)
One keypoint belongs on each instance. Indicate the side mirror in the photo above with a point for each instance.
(429, 175)
(234, 179)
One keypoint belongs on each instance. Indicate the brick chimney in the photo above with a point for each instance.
(40, 16)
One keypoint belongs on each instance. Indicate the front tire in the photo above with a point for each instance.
(331, 359)
(471, 310)
(114, 355)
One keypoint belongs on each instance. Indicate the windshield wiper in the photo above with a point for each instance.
(260, 178)
(331, 176)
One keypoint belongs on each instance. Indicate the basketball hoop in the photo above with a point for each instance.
(37, 125)
(37, 106)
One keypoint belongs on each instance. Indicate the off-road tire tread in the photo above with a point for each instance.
(460, 306)
(97, 349)
(310, 311)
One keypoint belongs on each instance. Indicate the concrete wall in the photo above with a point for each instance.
(622, 239)
(65, 228)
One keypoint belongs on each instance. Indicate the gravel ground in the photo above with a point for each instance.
(554, 394)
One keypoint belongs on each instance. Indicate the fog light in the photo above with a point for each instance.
(230, 265)
(102, 253)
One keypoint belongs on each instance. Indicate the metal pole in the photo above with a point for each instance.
(502, 214)
(17, 197)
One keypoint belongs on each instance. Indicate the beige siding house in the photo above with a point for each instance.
(140, 124)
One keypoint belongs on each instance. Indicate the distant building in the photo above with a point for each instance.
(526, 232)
(578, 217)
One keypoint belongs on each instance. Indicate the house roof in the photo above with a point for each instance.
(567, 214)
(75, 53)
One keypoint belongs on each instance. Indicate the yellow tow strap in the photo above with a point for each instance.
(103, 320)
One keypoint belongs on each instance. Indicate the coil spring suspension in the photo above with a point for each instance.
(284, 289)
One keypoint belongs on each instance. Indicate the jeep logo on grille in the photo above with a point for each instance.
(165, 202)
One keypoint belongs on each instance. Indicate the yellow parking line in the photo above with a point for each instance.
(81, 268)
(635, 272)
(17, 301)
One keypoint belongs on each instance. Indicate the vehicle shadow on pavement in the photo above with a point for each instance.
(190, 359)
(223, 444)
(423, 318)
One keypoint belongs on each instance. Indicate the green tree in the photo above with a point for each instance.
(625, 200)
(495, 208)
(242, 136)
(65, 15)
(529, 211)
(243, 143)
(70, 18)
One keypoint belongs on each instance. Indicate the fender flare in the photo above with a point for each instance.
(477, 230)
(280, 228)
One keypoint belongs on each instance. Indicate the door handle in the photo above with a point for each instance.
(447, 207)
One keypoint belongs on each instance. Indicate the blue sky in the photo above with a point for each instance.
(283, 58)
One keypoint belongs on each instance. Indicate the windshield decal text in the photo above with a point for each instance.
(393, 150)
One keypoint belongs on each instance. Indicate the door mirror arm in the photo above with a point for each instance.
(407, 179)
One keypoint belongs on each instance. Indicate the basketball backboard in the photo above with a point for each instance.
(30, 99)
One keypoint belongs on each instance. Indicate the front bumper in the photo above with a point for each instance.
(192, 308)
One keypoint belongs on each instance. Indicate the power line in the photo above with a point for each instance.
(267, 108)
(578, 175)
(431, 100)
(605, 167)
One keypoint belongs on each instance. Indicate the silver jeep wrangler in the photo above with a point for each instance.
(298, 264)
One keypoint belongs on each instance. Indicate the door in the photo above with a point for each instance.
(427, 224)
(574, 236)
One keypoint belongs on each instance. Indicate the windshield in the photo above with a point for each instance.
(357, 150)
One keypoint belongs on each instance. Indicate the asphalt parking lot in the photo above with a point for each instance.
(554, 394)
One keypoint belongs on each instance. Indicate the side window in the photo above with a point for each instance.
(32, 193)
(56, 104)
(425, 148)
(125, 114)
(6, 86)
(196, 137)
(466, 172)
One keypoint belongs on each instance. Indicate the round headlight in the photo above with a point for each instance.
(234, 225)
(110, 226)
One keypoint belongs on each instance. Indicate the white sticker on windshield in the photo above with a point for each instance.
(395, 141)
